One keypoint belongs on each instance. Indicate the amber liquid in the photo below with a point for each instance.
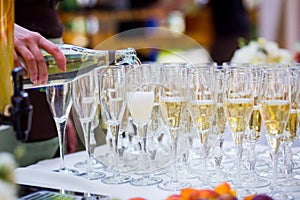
(291, 127)
(6, 53)
(275, 114)
(202, 112)
(220, 119)
(255, 123)
(172, 109)
(238, 112)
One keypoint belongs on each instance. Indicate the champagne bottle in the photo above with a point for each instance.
(82, 60)
(6, 56)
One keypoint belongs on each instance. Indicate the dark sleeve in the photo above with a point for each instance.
(43, 126)
(39, 16)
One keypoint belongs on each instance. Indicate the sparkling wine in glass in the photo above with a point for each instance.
(290, 184)
(84, 95)
(238, 106)
(253, 134)
(274, 98)
(202, 101)
(219, 175)
(60, 102)
(173, 101)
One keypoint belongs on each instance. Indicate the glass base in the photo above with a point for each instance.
(255, 182)
(145, 181)
(241, 193)
(173, 186)
(184, 174)
(216, 178)
(289, 186)
(92, 175)
(96, 164)
(67, 171)
(282, 196)
(119, 179)
(267, 174)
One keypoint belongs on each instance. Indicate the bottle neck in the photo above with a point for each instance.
(125, 56)
(81, 61)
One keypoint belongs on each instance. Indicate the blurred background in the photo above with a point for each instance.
(219, 26)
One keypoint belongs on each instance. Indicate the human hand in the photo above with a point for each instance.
(28, 45)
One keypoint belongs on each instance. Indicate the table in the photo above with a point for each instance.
(40, 174)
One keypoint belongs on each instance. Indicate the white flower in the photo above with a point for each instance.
(7, 159)
(7, 184)
(7, 167)
(7, 191)
(262, 51)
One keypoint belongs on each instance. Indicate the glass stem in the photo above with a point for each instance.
(288, 161)
(115, 136)
(203, 151)
(238, 153)
(251, 160)
(142, 134)
(174, 155)
(218, 155)
(184, 162)
(87, 139)
(274, 156)
(93, 144)
(61, 129)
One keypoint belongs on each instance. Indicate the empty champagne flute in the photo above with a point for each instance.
(274, 98)
(173, 101)
(60, 102)
(85, 101)
(112, 97)
(140, 101)
(238, 105)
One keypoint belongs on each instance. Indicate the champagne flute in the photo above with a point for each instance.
(290, 184)
(274, 98)
(140, 101)
(112, 97)
(219, 125)
(85, 101)
(253, 134)
(173, 101)
(238, 106)
(60, 102)
(202, 101)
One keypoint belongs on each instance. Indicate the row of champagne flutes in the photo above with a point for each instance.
(243, 87)
(211, 96)
(257, 98)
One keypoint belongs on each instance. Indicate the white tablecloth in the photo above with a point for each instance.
(41, 174)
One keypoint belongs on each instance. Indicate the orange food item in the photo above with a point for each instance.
(249, 197)
(186, 193)
(174, 197)
(204, 194)
(222, 191)
(224, 188)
